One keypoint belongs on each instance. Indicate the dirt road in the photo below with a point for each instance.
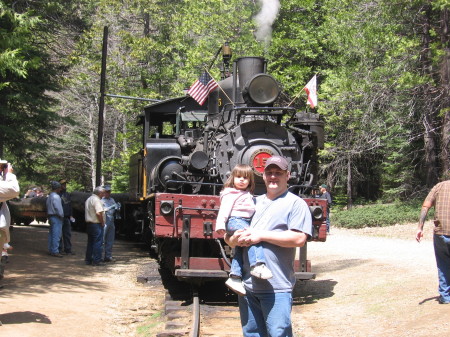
(376, 282)
(53, 297)
(372, 282)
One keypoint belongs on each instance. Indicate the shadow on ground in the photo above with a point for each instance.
(32, 270)
(21, 317)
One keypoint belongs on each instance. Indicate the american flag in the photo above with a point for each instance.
(202, 87)
(311, 91)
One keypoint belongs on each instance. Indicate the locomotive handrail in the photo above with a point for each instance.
(197, 208)
(282, 109)
(191, 182)
(183, 182)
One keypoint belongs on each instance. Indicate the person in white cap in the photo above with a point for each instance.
(9, 189)
(111, 207)
(282, 222)
(55, 216)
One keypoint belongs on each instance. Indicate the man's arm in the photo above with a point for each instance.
(100, 218)
(288, 238)
(423, 215)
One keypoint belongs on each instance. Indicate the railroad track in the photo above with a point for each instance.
(195, 319)
(208, 310)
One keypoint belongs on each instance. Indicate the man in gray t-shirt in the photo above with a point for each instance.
(281, 223)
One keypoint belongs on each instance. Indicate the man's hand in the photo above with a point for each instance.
(419, 235)
(249, 237)
(233, 240)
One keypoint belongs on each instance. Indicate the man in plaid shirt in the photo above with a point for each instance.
(439, 197)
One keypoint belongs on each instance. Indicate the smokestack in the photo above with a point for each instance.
(265, 19)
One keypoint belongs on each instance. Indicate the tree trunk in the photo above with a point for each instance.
(349, 184)
(445, 83)
(428, 114)
(445, 150)
(92, 146)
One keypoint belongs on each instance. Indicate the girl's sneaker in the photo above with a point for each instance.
(236, 285)
(261, 271)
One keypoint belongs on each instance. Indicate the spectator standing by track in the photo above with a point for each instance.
(9, 189)
(324, 194)
(55, 216)
(111, 208)
(65, 245)
(439, 197)
(95, 222)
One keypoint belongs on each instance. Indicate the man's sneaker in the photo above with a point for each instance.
(442, 301)
(261, 271)
(56, 254)
(236, 285)
(109, 259)
(98, 264)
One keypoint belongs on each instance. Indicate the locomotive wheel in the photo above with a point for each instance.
(148, 236)
(168, 250)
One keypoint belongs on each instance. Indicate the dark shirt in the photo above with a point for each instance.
(66, 203)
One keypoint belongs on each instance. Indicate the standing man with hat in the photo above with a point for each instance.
(111, 207)
(281, 223)
(9, 189)
(65, 245)
(95, 221)
(324, 194)
(55, 216)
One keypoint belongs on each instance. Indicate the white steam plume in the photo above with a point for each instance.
(265, 18)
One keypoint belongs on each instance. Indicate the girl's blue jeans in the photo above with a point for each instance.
(255, 252)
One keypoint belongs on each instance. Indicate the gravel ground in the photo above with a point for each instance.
(370, 282)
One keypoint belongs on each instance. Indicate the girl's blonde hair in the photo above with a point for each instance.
(241, 170)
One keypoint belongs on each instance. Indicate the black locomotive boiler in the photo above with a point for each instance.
(189, 151)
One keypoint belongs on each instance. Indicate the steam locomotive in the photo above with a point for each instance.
(189, 150)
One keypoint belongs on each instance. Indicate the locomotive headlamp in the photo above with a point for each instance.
(261, 89)
(166, 207)
(316, 212)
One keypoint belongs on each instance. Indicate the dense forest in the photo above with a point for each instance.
(383, 70)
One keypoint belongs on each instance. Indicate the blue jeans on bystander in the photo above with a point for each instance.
(54, 234)
(442, 253)
(94, 244)
(110, 231)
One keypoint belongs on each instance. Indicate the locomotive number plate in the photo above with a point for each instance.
(258, 160)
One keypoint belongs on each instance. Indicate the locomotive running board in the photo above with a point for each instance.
(303, 276)
(220, 274)
(199, 273)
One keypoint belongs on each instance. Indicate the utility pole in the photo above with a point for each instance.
(98, 171)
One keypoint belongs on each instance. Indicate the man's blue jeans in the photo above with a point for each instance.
(109, 235)
(442, 253)
(54, 234)
(267, 314)
(94, 244)
(255, 252)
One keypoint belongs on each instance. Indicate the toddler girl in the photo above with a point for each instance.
(235, 212)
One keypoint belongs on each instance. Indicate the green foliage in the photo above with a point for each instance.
(377, 215)
(368, 56)
(27, 77)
